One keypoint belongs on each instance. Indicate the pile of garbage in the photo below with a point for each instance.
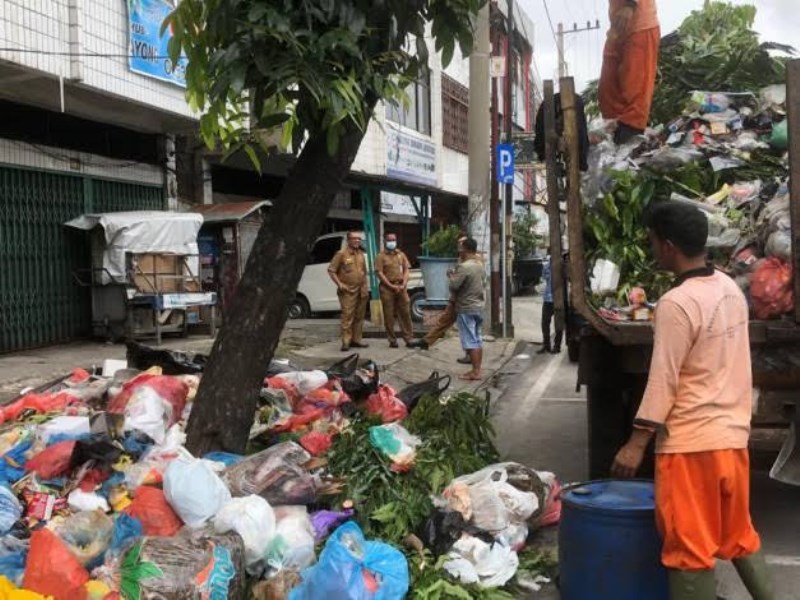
(99, 497)
(726, 155)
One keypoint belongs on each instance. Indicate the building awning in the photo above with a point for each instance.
(231, 212)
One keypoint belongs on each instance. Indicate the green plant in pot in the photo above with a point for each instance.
(441, 248)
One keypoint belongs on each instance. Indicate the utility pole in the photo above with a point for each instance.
(479, 138)
(508, 212)
(562, 62)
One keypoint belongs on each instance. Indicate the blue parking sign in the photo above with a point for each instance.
(505, 163)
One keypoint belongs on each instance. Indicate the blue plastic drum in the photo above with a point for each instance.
(608, 545)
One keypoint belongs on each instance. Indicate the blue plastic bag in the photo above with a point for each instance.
(226, 458)
(351, 568)
(10, 509)
(12, 463)
(13, 555)
(127, 530)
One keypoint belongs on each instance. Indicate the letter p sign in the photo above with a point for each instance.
(505, 163)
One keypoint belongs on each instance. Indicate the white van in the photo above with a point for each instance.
(317, 293)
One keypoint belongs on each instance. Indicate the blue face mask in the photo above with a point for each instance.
(391, 245)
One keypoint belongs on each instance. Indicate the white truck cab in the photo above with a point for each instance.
(317, 293)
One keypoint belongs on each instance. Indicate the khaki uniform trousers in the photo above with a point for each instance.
(396, 307)
(446, 320)
(354, 310)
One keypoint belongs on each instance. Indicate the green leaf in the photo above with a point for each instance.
(253, 156)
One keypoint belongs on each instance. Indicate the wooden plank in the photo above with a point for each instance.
(793, 110)
(557, 269)
(577, 254)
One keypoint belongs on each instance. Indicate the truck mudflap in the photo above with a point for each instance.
(787, 466)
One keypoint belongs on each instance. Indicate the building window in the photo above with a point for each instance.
(418, 114)
(455, 115)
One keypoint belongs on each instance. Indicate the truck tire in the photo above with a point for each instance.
(417, 299)
(299, 308)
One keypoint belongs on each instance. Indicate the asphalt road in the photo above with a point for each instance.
(541, 421)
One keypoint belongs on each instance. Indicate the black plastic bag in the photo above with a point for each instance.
(444, 528)
(435, 385)
(362, 383)
(344, 368)
(172, 362)
(101, 451)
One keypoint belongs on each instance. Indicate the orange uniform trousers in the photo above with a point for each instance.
(446, 320)
(703, 508)
(628, 78)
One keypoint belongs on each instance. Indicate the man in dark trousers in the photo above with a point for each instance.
(548, 311)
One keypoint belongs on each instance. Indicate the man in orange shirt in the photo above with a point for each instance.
(698, 403)
(630, 60)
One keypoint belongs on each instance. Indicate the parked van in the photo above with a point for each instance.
(317, 293)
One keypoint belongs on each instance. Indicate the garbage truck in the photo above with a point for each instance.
(614, 355)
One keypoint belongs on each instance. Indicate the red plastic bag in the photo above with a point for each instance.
(53, 461)
(329, 395)
(156, 515)
(316, 442)
(52, 570)
(771, 289)
(172, 390)
(278, 383)
(386, 404)
(41, 403)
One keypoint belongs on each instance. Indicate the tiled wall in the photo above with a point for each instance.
(57, 159)
(43, 25)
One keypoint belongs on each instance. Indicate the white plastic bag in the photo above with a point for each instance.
(305, 381)
(87, 501)
(149, 413)
(396, 442)
(10, 509)
(293, 544)
(151, 466)
(194, 491)
(473, 561)
(252, 518)
(63, 425)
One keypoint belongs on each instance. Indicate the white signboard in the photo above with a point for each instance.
(397, 204)
(410, 157)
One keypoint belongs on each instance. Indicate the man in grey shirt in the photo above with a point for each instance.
(467, 283)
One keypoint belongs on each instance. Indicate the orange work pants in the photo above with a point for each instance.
(445, 321)
(628, 78)
(703, 508)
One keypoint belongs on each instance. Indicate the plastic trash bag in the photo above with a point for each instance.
(292, 546)
(363, 382)
(194, 491)
(434, 385)
(10, 469)
(225, 458)
(252, 518)
(10, 509)
(343, 368)
(72, 427)
(9, 591)
(148, 413)
(779, 245)
(149, 470)
(13, 556)
(352, 568)
(316, 442)
(53, 461)
(127, 531)
(442, 530)
(196, 564)
(172, 362)
(325, 521)
(385, 404)
(277, 587)
(51, 568)
(172, 390)
(304, 382)
(88, 535)
(101, 452)
(473, 561)
(80, 501)
(771, 289)
(276, 474)
(151, 509)
(397, 443)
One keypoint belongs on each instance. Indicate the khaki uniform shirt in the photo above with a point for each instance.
(350, 266)
(393, 264)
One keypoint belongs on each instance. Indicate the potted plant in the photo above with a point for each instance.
(441, 250)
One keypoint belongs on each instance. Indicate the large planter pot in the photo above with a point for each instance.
(434, 275)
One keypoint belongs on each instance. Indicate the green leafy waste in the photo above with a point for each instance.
(456, 435)
(134, 570)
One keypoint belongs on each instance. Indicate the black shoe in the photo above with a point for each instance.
(345, 348)
(464, 360)
(358, 345)
(555, 350)
(393, 344)
(625, 133)
(421, 344)
(543, 350)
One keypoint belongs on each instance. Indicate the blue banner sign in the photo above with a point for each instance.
(148, 48)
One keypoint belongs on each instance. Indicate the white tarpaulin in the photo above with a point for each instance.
(142, 232)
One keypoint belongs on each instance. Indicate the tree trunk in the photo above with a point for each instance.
(226, 402)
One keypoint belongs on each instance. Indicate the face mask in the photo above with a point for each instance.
(391, 245)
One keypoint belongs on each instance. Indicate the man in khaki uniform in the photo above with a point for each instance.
(348, 270)
(392, 268)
